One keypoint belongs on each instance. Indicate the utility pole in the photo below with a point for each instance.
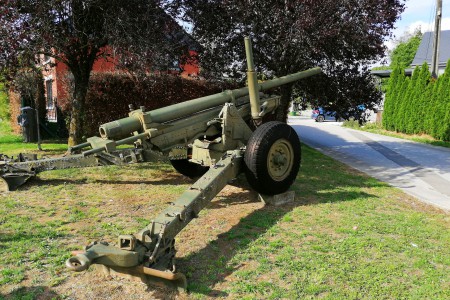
(437, 38)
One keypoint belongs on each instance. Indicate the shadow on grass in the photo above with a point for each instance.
(33, 292)
(320, 181)
(167, 180)
(214, 263)
(210, 265)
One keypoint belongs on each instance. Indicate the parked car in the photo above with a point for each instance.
(320, 115)
(358, 113)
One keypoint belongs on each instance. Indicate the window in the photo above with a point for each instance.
(49, 89)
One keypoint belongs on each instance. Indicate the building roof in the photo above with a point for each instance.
(387, 73)
(425, 51)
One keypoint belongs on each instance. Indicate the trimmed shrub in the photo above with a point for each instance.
(441, 121)
(420, 104)
(390, 102)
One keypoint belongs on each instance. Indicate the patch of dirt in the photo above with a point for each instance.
(224, 212)
(97, 285)
(200, 239)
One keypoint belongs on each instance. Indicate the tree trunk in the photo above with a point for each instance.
(40, 97)
(286, 97)
(77, 112)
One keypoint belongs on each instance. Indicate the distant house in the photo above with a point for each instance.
(55, 78)
(425, 51)
(424, 54)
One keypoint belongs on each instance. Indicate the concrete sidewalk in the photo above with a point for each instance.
(420, 170)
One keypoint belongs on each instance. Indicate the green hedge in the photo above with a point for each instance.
(5, 116)
(418, 105)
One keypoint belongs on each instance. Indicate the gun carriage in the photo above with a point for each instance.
(213, 138)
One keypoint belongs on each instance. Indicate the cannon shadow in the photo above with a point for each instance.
(168, 179)
(32, 292)
(211, 265)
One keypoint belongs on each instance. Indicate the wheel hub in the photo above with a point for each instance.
(280, 159)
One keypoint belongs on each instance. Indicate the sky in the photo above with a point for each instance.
(421, 13)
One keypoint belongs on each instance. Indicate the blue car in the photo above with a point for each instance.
(320, 115)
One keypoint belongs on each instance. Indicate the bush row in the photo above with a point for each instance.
(418, 105)
(110, 94)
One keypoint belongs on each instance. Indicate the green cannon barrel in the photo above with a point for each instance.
(124, 127)
(180, 110)
(120, 128)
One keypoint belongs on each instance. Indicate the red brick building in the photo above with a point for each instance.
(56, 77)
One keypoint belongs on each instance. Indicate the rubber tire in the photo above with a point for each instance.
(257, 152)
(189, 169)
(320, 118)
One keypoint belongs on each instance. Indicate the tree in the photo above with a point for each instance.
(78, 32)
(404, 51)
(406, 48)
(394, 85)
(409, 104)
(341, 36)
(401, 103)
(421, 99)
(441, 122)
(434, 100)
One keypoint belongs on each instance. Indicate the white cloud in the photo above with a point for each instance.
(421, 13)
(424, 26)
(445, 25)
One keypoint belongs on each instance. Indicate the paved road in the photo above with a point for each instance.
(420, 170)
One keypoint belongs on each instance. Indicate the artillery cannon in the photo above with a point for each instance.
(214, 137)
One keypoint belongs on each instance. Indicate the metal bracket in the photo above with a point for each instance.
(127, 242)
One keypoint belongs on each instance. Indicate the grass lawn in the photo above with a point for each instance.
(346, 236)
(11, 144)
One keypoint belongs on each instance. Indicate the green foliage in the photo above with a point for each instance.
(392, 97)
(433, 89)
(5, 127)
(419, 105)
(441, 122)
(420, 101)
(400, 102)
(4, 110)
(408, 104)
(403, 54)
(351, 124)
(382, 68)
